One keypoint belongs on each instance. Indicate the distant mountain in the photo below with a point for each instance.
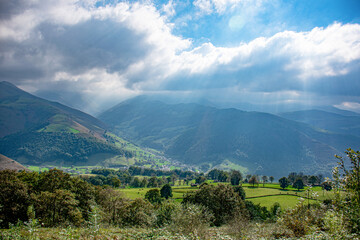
(206, 136)
(10, 164)
(34, 130)
(333, 122)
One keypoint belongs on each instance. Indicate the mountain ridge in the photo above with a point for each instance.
(202, 135)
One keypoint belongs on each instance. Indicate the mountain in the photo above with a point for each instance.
(8, 163)
(20, 111)
(206, 136)
(333, 122)
(34, 131)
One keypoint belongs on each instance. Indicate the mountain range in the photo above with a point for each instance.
(37, 131)
(253, 142)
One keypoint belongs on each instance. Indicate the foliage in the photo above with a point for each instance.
(166, 191)
(153, 196)
(139, 213)
(271, 178)
(200, 179)
(303, 219)
(349, 180)
(14, 198)
(257, 212)
(221, 200)
(240, 190)
(41, 147)
(191, 220)
(253, 180)
(284, 182)
(235, 177)
(112, 205)
(299, 184)
(327, 185)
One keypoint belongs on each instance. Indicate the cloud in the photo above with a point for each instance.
(98, 55)
(207, 7)
(169, 9)
(286, 61)
(351, 106)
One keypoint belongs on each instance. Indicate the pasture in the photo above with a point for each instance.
(265, 196)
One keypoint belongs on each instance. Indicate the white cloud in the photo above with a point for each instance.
(291, 56)
(20, 26)
(123, 49)
(222, 6)
(169, 9)
(351, 106)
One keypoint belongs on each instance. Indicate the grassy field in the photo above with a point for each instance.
(285, 201)
(265, 196)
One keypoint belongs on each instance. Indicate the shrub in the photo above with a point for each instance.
(220, 200)
(191, 220)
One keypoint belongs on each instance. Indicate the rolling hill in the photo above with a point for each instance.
(36, 131)
(206, 136)
(10, 164)
(333, 122)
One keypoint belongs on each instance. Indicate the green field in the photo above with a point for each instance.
(285, 201)
(265, 196)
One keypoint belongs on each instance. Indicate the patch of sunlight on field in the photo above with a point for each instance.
(285, 201)
(134, 193)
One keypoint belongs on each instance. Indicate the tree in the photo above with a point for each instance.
(153, 196)
(271, 179)
(223, 176)
(292, 177)
(235, 178)
(253, 180)
(57, 207)
(153, 182)
(312, 180)
(135, 182)
(351, 177)
(214, 174)
(200, 179)
(221, 200)
(240, 190)
(284, 182)
(327, 186)
(144, 182)
(299, 184)
(14, 199)
(265, 179)
(173, 178)
(320, 178)
(166, 191)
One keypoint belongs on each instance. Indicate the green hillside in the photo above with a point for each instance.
(207, 136)
(36, 131)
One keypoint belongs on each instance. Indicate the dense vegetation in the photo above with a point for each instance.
(57, 199)
(56, 146)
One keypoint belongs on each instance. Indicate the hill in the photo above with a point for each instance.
(8, 163)
(341, 122)
(35, 131)
(229, 138)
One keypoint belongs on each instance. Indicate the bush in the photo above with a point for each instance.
(303, 219)
(165, 212)
(220, 200)
(191, 220)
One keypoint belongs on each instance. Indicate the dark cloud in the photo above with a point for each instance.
(95, 44)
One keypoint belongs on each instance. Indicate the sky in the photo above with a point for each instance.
(93, 54)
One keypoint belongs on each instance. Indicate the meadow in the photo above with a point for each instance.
(265, 195)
